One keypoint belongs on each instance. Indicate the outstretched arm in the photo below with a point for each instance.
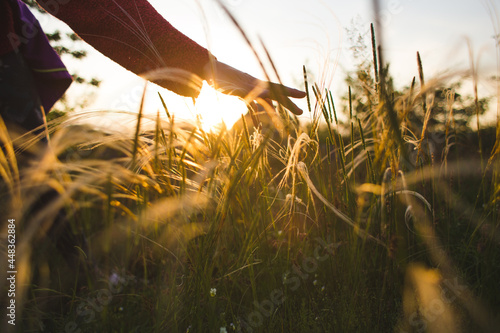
(136, 36)
(133, 34)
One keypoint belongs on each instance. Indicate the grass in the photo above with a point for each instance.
(174, 229)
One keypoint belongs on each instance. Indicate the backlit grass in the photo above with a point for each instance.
(388, 226)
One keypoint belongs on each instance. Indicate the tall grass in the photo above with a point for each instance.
(175, 229)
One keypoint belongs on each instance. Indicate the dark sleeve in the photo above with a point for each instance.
(133, 34)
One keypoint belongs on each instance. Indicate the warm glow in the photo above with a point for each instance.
(215, 108)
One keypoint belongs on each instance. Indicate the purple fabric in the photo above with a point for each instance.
(51, 76)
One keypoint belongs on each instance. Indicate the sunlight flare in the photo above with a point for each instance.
(215, 108)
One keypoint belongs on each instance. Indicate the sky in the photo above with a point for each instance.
(314, 33)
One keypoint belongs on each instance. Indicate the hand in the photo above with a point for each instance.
(231, 81)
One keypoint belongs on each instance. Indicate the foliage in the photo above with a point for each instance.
(67, 44)
(443, 98)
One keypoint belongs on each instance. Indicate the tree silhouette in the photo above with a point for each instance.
(443, 99)
(66, 44)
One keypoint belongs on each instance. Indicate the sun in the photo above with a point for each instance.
(215, 108)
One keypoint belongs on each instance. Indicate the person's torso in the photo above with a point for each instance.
(7, 29)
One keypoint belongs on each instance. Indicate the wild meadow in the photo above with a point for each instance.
(385, 221)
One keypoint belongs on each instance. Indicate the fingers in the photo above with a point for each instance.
(286, 91)
(231, 81)
(285, 102)
(282, 94)
(292, 107)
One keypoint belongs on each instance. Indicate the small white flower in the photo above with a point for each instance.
(323, 288)
(315, 282)
(114, 279)
(213, 292)
(233, 327)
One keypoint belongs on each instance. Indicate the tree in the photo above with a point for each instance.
(443, 99)
(66, 45)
